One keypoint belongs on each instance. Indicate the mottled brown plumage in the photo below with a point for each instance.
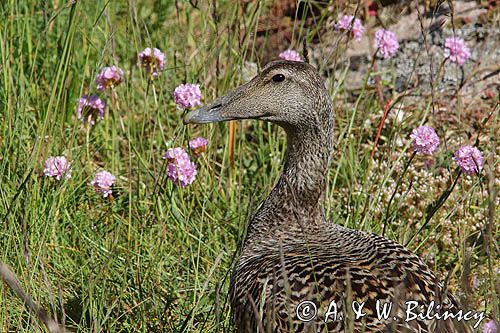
(291, 253)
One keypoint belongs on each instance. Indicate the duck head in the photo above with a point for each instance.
(288, 93)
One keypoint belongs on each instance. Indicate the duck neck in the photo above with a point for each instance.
(303, 180)
(297, 197)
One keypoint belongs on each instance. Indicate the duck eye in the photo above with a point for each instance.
(279, 78)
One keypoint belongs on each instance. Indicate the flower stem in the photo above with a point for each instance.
(434, 207)
(387, 107)
(87, 139)
(440, 71)
(398, 183)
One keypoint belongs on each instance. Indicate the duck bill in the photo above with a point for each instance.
(222, 109)
(229, 107)
(210, 113)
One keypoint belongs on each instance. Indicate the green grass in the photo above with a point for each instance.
(157, 258)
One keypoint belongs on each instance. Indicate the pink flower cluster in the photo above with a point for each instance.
(290, 55)
(490, 327)
(198, 145)
(425, 140)
(456, 50)
(386, 42)
(469, 159)
(187, 95)
(57, 167)
(153, 60)
(109, 77)
(180, 169)
(90, 108)
(349, 23)
(102, 182)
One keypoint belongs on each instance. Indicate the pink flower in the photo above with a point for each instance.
(57, 167)
(386, 42)
(187, 95)
(153, 60)
(490, 327)
(90, 108)
(198, 145)
(469, 159)
(290, 55)
(456, 50)
(425, 140)
(180, 169)
(102, 182)
(174, 154)
(109, 77)
(346, 24)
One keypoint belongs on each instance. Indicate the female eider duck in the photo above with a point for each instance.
(298, 272)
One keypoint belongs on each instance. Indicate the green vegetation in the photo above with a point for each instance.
(156, 257)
